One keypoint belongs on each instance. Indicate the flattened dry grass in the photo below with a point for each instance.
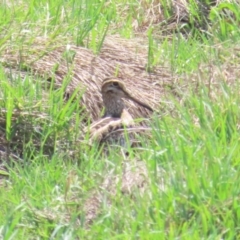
(85, 71)
(78, 72)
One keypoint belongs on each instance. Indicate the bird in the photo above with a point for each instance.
(116, 121)
(111, 129)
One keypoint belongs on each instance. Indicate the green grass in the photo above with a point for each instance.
(193, 151)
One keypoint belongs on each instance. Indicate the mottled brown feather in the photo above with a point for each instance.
(115, 116)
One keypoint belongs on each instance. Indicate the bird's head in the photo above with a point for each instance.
(114, 88)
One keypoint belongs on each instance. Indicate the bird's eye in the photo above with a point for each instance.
(115, 84)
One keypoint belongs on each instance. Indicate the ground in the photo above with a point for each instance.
(181, 58)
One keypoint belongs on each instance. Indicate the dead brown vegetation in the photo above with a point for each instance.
(124, 59)
(171, 16)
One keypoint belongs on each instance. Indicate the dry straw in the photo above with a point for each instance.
(124, 59)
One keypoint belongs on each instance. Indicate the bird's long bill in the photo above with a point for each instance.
(139, 102)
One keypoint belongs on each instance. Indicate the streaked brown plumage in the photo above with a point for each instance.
(111, 127)
(113, 90)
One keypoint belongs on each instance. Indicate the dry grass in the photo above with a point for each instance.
(118, 57)
(170, 16)
(125, 59)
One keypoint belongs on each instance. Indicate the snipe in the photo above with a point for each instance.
(111, 128)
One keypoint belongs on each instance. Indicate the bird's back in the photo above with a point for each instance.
(106, 129)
